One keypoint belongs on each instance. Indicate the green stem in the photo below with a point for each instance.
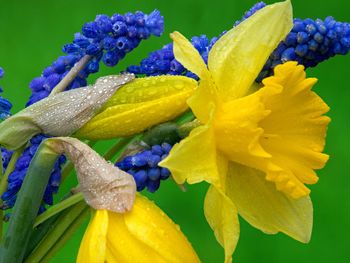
(66, 236)
(3, 181)
(66, 170)
(119, 147)
(62, 224)
(39, 233)
(53, 210)
(27, 205)
(186, 117)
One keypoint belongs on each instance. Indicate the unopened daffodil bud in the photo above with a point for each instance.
(138, 105)
(60, 114)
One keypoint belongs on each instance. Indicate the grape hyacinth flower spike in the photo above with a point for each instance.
(106, 39)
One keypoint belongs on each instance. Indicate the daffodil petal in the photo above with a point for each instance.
(150, 88)
(188, 56)
(123, 246)
(222, 217)
(164, 236)
(203, 101)
(194, 159)
(239, 55)
(265, 208)
(93, 246)
(128, 119)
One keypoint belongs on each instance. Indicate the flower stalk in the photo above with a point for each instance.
(27, 205)
(62, 224)
(64, 83)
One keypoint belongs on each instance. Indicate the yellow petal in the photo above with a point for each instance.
(132, 118)
(238, 56)
(194, 159)
(150, 88)
(295, 130)
(265, 208)
(221, 215)
(203, 98)
(146, 234)
(93, 246)
(188, 56)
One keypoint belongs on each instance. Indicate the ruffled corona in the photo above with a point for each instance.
(145, 234)
(279, 130)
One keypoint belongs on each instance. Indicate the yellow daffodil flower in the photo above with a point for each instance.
(138, 105)
(257, 148)
(145, 234)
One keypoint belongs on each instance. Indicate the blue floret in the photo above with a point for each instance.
(5, 104)
(143, 166)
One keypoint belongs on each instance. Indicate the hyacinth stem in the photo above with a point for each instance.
(61, 226)
(55, 209)
(66, 235)
(27, 205)
(3, 181)
(119, 147)
(72, 74)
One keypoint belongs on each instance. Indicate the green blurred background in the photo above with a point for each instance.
(33, 32)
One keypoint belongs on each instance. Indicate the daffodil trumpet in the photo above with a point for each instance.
(257, 148)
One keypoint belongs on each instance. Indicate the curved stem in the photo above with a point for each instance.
(53, 236)
(119, 147)
(27, 205)
(53, 210)
(79, 66)
(66, 236)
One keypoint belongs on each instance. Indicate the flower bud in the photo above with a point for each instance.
(60, 114)
(139, 105)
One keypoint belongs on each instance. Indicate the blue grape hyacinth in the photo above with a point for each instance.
(5, 104)
(309, 43)
(106, 39)
(143, 166)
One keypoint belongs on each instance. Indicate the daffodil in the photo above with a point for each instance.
(256, 147)
(138, 105)
(145, 234)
